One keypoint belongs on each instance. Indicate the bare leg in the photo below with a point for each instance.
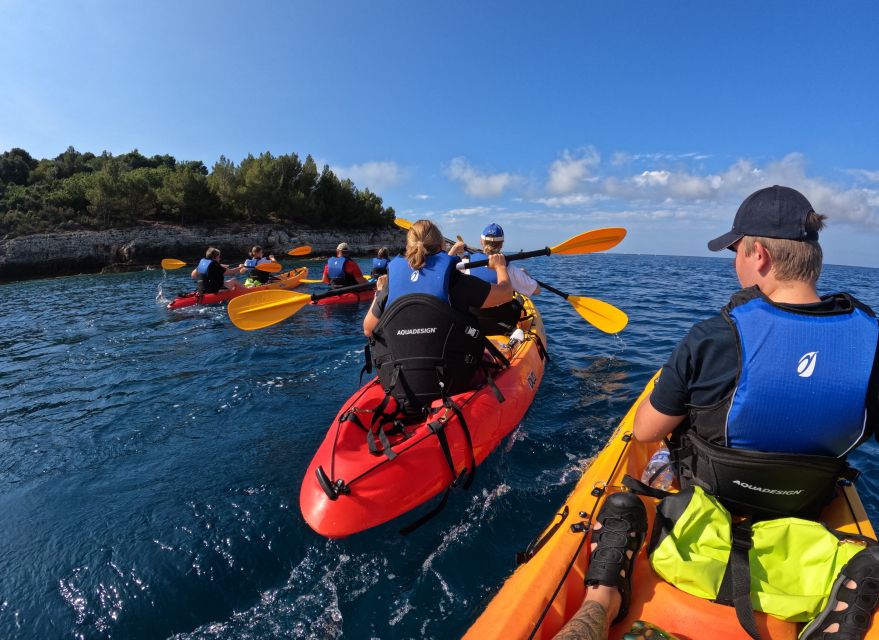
(600, 606)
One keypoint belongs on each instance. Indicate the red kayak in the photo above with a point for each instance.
(348, 298)
(353, 483)
(289, 280)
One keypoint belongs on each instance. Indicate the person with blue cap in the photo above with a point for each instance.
(504, 318)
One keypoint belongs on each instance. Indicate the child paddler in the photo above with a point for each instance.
(210, 273)
(780, 374)
(255, 277)
(421, 329)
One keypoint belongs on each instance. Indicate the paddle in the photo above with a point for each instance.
(262, 309)
(587, 242)
(601, 315)
(268, 267)
(304, 250)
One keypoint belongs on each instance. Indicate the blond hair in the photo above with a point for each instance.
(490, 247)
(793, 259)
(423, 239)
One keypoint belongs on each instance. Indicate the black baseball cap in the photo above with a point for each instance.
(773, 212)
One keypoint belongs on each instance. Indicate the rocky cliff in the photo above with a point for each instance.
(57, 254)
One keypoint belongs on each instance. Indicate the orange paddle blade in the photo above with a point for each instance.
(304, 250)
(269, 267)
(171, 263)
(591, 241)
(264, 308)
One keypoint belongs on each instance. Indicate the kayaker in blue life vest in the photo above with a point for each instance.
(380, 263)
(210, 273)
(503, 318)
(781, 373)
(420, 322)
(256, 278)
(342, 271)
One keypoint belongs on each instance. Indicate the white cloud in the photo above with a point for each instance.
(479, 184)
(420, 196)
(570, 171)
(374, 175)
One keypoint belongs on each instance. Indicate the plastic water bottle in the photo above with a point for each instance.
(660, 472)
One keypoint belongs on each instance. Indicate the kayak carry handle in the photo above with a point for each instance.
(332, 489)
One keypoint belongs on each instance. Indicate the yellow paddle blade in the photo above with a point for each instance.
(269, 267)
(591, 241)
(171, 263)
(603, 316)
(306, 281)
(304, 250)
(402, 223)
(264, 308)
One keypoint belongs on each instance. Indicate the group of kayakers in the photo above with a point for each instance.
(211, 274)
(782, 383)
(776, 390)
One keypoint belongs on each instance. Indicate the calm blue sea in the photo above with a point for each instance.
(150, 461)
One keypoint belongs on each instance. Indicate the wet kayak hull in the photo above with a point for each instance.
(379, 489)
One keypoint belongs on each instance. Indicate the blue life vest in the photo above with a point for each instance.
(250, 263)
(483, 273)
(203, 265)
(431, 279)
(380, 265)
(336, 268)
(803, 379)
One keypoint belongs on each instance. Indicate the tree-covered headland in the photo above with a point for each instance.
(87, 191)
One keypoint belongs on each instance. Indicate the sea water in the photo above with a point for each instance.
(150, 460)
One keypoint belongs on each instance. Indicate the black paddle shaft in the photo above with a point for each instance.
(552, 289)
(355, 288)
(515, 256)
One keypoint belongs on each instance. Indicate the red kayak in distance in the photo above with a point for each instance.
(353, 483)
(348, 298)
(289, 280)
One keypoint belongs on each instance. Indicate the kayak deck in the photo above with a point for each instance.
(289, 280)
(548, 589)
(380, 488)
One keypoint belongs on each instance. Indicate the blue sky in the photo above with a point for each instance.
(548, 118)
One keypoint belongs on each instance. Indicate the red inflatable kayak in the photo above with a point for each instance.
(289, 280)
(349, 488)
(347, 298)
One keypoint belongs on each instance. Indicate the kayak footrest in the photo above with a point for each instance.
(332, 489)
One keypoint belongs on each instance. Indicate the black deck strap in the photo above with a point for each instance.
(367, 365)
(409, 528)
(640, 488)
(494, 388)
(437, 427)
(537, 544)
(541, 348)
(386, 444)
(351, 416)
(736, 584)
(496, 353)
(451, 404)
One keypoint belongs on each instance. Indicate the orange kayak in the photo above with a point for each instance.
(289, 280)
(545, 591)
(349, 487)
